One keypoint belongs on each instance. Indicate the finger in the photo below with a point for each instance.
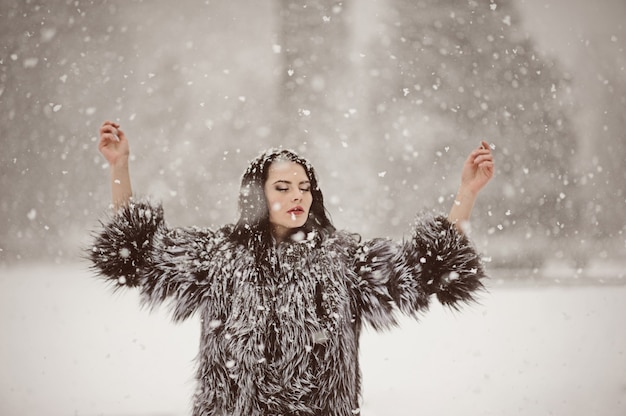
(483, 158)
(110, 123)
(478, 153)
(111, 133)
(121, 135)
(485, 145)
(487, 167)
(108, 128)
(106, 140)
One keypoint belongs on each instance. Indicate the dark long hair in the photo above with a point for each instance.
(253, 227)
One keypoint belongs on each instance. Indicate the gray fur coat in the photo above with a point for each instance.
(281, 336)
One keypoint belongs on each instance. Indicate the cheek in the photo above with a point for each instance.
(274, 203)
(309, 201)
(275, 206)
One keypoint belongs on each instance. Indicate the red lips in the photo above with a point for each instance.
(296, 210)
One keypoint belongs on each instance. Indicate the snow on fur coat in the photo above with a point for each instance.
(281, 336)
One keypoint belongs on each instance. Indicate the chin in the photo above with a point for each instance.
(296, 226)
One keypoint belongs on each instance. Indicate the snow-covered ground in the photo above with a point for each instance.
(69, 346)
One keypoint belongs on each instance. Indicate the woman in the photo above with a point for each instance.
(281, 294)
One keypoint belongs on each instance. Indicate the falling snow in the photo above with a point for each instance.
(385, 101)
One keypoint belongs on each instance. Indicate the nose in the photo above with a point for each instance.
(297, 195)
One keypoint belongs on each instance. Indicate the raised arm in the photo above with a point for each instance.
(114, 147)
(477, 171)
(135, 248)
(438, 259)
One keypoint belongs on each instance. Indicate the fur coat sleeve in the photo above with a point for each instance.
(436, 260)
(135, 248)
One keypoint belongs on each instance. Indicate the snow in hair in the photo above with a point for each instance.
(254, 214)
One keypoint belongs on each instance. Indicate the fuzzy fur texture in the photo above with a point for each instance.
(281, 337)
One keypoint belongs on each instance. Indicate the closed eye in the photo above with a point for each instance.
(284, 186)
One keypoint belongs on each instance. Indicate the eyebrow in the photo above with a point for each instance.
(289, 182)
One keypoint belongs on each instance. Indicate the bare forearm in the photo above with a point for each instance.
(121, 190)
(477, 171)
(462, 208)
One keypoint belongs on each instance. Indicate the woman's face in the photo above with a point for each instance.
(288, 195)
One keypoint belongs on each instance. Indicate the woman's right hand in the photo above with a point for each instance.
(113, 144)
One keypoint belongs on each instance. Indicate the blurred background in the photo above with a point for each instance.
(385, 98)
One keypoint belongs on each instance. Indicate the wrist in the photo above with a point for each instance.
(466, 192)
(120, 164)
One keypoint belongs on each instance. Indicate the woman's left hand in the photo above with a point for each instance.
(478, 169)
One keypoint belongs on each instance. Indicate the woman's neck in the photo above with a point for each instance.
(279, 233)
